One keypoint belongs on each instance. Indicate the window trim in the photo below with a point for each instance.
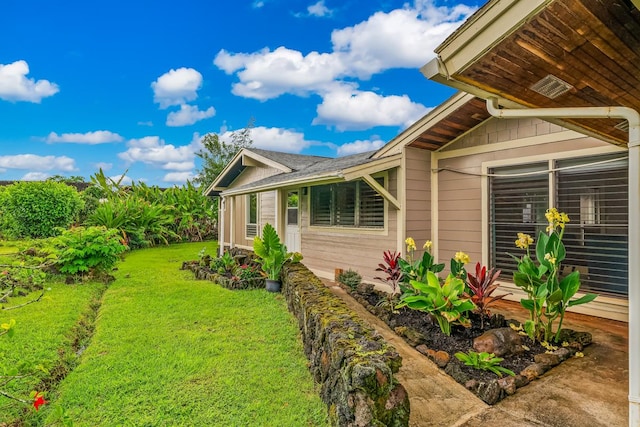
(383, 231)
(551, 159)
(247, 215)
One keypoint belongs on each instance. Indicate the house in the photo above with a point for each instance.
(547, 116)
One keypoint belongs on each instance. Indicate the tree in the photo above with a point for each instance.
(216, 153)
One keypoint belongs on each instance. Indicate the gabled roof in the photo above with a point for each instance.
(507, 47)
(451, 119)
(296, 169)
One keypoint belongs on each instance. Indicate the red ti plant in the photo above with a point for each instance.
(481, 285)
(391, 268)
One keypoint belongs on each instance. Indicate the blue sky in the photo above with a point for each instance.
(133, 85)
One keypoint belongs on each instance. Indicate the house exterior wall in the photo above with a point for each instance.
(328, 248)
(266, 207)
(418, 196)
(462, 192)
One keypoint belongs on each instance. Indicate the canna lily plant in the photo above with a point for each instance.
(446, 302)
(548, 295)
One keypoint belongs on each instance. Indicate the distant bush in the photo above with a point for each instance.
(93, 250)
(36, 209)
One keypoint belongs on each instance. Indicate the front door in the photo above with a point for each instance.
(292, 228)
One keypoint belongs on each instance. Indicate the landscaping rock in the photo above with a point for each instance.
(508, 384)
(413, 337)
(571, 336)
(521, 381)
(440, 358)
(534, 371)
(501, 342)
(548, 359)
(454, 371)
(490, 392)
(563, 353)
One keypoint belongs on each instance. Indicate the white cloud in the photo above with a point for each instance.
(179, 166)
(266, 74)
(356, 147)
(356, 110)
(37, 163)
(257, 4)
(91, 138)
(276, 139)
(103, 165)
(178, 177)
(188, 115)
(319, 9)
(176, 87)
(148, 123)
(15, 86)
(35, 176)
(154, 151)
(401, 38)
(122, 179)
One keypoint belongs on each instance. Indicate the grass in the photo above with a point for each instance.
(169, 350)
(42, 329)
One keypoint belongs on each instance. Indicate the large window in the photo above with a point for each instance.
(348, 204)
(592, 191)
(252, 215)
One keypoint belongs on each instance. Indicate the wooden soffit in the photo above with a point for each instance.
(593, 45)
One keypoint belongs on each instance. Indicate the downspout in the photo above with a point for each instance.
(221, 228)
(633, 118)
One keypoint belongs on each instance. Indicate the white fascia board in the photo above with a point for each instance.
(333, 176)
(372, 167)
(489, 26)
(427, 121)
(214, 184)
(261, 159)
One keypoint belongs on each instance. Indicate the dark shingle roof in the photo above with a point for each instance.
(321, 166)
(292, 161)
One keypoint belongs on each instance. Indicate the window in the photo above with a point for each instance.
(348, 204)
(592, 191)
(292, 208)
(252, 215)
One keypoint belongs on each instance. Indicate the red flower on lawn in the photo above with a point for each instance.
(38, 401)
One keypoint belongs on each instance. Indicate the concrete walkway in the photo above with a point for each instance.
(590, 391)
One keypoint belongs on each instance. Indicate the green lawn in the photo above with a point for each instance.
(169, 350)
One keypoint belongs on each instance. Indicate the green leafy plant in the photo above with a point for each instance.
(417, 270)
(446, 302)
(484, 361)
(350, 278)
(37, 209)
(272, 253)
(481, 286)
(92, 250)
(548, 296)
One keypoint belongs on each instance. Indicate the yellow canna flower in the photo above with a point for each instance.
(427, 245)
(524, 241)
(550, 258)
(462, 257)
(411, 244)
(556, 219)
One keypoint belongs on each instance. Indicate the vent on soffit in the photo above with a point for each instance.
(623, 126)
(551, 87)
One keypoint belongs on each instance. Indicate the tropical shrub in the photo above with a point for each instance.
(393, 274)
(417, 270)
(272, 253)
(446, 302)
(481, 287)
(548, 296)
(38, 209)
(484, 361)
(350, 278)
(93, 250)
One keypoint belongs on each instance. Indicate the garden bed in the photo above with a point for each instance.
(241, 272)
(530, 361)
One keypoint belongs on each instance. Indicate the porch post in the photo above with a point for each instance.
(221, 210)
(232, 222)
(634, 274)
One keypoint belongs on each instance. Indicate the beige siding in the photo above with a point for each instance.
(503, 130)
(267, 209)
(326, 249)
(254, 173)
(418, 195)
